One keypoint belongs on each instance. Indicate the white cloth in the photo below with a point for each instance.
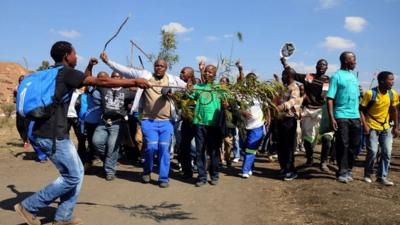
(71, 108)
(129, 72)
(257, 117)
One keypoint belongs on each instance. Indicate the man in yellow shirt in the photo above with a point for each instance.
(378, 108)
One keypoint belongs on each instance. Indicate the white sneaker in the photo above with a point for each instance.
(368, 179)
(250, 173)
(235, 160)
(245, 175)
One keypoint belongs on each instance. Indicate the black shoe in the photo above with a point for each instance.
(200, 183)
(214, 182)
(290, 176)
(110, 177)
(187, 176)
(309, 163)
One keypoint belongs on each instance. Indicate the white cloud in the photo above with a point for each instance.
(327, 4)
(332, 43)
(354, 23)
(211, 38)
(71, 34)
(177, 28)
(228, 35)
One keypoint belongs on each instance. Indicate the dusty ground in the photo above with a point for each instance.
(314, 198)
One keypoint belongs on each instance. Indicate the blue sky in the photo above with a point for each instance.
(319, 29)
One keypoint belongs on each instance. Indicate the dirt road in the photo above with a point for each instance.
(314, 198)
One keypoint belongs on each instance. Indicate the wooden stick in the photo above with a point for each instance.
(115, 35)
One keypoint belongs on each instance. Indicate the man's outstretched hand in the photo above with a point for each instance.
(104, 57)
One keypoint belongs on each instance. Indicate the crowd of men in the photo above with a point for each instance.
(134, 112)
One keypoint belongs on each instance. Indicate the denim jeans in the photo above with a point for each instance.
(208, 138)
(347, 141)
(106, 140)
(157, 135)
(66, 187)
(384, 140)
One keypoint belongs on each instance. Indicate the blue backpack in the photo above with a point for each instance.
(36, 94)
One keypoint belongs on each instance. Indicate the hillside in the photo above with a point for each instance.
(9, 74)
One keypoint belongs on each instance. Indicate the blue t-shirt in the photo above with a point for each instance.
(344, 90)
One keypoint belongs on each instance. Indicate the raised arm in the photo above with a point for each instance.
(241, 74)
(125, 71)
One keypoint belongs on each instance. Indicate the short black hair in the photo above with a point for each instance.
(382, 76)
(59, 50)
(343, 56)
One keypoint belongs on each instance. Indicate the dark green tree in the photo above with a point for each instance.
(168, 47)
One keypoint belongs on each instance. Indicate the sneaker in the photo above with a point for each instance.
(29, 218)
(146, 179)
(350, 176)
(163, 185)
(324, 167)
(200, 183)
(343, 179)
(236, 160)
(385, 181)
(250, 172)
(75, 221)
(245, 175)
(368, 179)
(110, 177)
(214, 182)
(290, 176)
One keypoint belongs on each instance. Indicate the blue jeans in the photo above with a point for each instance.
(157, 135)
(66, 187)
(253, 141)
(106, 140)
(384, 140)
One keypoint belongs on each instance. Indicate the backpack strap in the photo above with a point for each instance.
(372, 102)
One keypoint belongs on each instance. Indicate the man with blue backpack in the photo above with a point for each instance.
(44, 97)
(378, 107)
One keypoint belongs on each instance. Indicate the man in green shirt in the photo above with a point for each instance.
(206, 117)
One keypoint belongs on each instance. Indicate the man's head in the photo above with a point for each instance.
(116, 75)
(224, 80)
(197, 80)
(102, 74)
(385, 80)
(160, 68)
(321, 67)
(288, 75)
(187, 73)
(210, 72)
(347, 61)
(63, 52)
